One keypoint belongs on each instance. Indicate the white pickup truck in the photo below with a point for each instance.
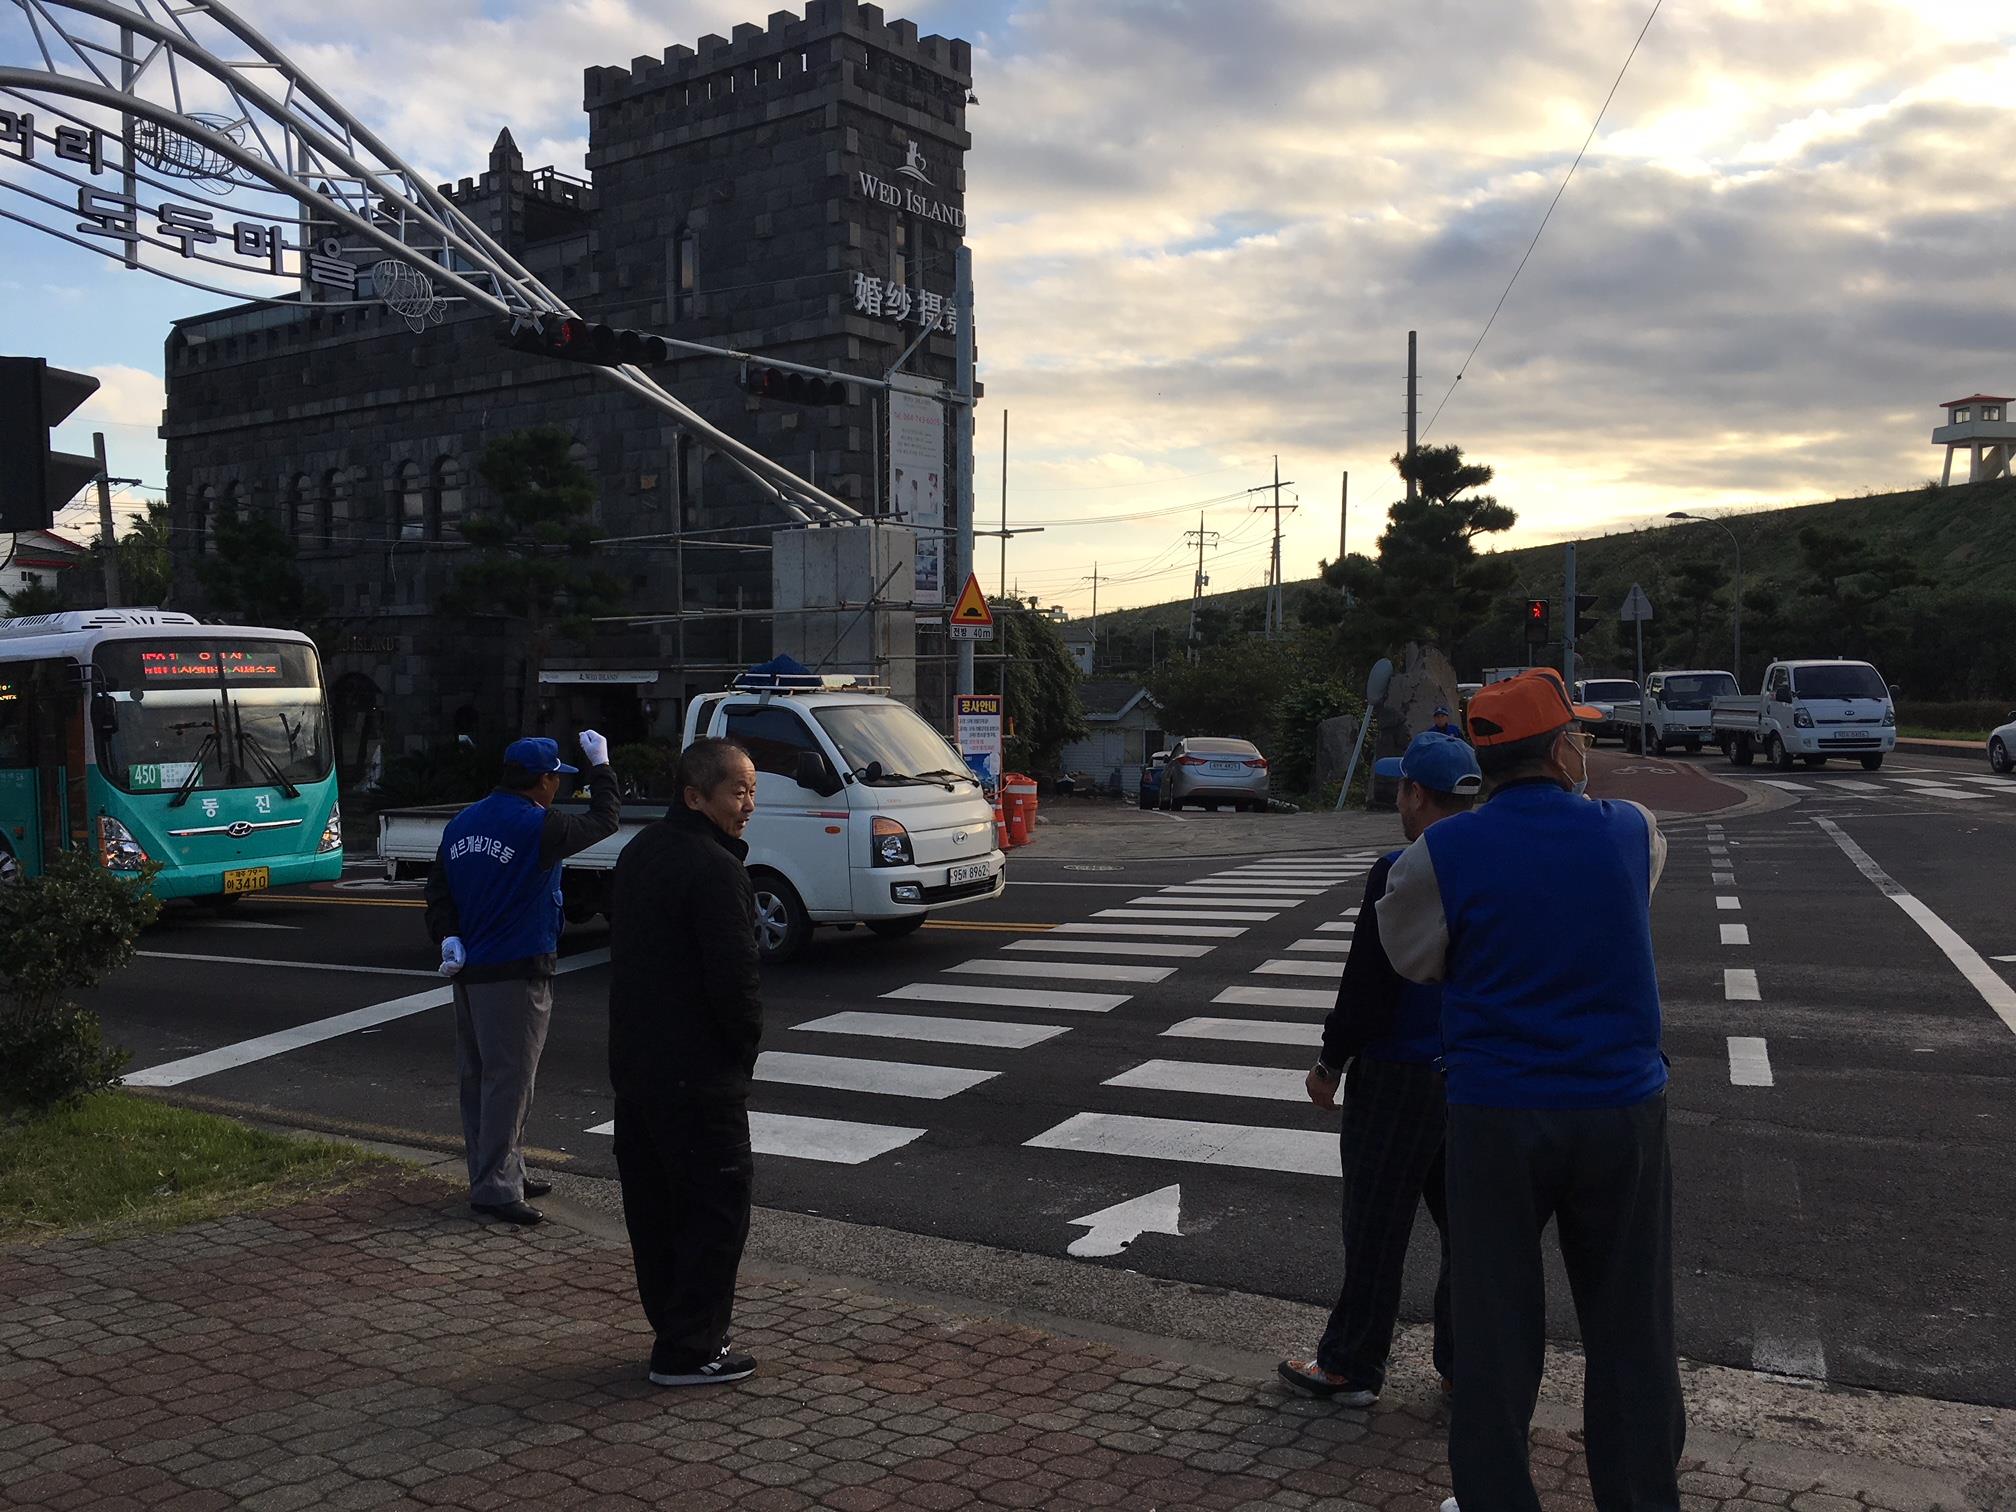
(864, 815)
(1677, 709)
(1809, 711)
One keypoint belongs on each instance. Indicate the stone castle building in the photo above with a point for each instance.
(737, 193)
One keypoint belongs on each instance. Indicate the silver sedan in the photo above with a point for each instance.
(1211, 771)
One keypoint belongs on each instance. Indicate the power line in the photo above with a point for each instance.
(1593, 125)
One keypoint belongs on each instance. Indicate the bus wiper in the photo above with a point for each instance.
(210, 744)
(273, 772)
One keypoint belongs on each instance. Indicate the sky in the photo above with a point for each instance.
(1202, 232)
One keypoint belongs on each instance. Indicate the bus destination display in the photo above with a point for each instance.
(238, 664)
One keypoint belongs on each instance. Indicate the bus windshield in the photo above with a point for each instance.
(208, 714)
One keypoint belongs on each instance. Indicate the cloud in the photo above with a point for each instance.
(126, 396)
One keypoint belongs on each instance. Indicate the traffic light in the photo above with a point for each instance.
(568, 339)
(1585, 623)
(1539, 620)
(792, 388)
(34, 481)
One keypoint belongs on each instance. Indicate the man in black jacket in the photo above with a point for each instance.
(685, 1015)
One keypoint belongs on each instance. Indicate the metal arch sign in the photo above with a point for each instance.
(136, 138)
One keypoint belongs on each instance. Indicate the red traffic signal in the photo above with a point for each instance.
(570, 339)
(792, 388)
(1539, 619)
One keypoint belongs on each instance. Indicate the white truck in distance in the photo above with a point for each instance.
(1809, 711)
(864, 815)
(1677, 709)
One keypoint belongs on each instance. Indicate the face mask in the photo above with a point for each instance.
(1581, 787)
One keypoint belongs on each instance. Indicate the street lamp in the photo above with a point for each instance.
(1681, 514)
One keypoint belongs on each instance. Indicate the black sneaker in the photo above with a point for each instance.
(725, 1366)
(537, 1188)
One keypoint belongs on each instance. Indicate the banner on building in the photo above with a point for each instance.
(917, 485)
(978, 718)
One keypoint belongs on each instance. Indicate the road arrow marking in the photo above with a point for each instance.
(1112, 1229)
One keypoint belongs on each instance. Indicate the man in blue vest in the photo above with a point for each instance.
(493, 906)
(1534, 913)
(1389, 1032)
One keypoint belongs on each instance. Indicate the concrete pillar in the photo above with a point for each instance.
(827, 585)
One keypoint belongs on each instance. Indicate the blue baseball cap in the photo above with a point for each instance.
(1437, 761)
(1441, 708)
(536, 754)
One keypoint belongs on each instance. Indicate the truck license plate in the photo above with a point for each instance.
(247, 879)
(961, 875)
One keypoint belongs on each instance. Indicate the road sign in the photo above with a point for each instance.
(1636, 606)
(973, 632)
(972, 606)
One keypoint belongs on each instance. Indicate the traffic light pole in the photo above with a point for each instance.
(1568, 619)
(962, 448)
(107, 544)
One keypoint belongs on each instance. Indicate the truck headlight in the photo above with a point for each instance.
(117, 849)
(1802, 718)
(1890, 717)
(889, 843)
(332, 832)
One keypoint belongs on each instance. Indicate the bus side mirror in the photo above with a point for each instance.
(814, 774)
(104, 714)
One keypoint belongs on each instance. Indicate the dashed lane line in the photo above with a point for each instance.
(1735, 934)
(1749, 1062)
(1739, 985)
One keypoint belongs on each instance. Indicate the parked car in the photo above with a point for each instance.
(2002, 746)
(1606, 693)
(1211, 770)
(1150, 795)
(1809, 711)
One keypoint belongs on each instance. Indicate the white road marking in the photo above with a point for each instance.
(1728, 904)
(2003, 958)
(991, 1034)
(1780, 782)
(1277, 997)
(1749, 1062)
(1350, 913)
(224, 960)
(1188, 931)
(1777, 1353)
(1995, 992)
(1008, 997)
(1258, 1149)
(1735, 934)
(1739, 985)
(236, 924)
(1722, 879)
(1214, 900)
(1198, 916)
(1112, 1229)
(832, 1141)
(1920, 789)
(845, 1073)
(1078, 971)
(210, 1062)
(1256, 889)
(1854, 786)
(1268, 1082)
(1327, 969)
(1340, 944)
(1339, 926)
(1156, 949)
(1247, 1031)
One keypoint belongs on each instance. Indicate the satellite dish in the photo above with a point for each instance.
(1378, 682)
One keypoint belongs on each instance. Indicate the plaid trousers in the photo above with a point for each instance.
(1394, 1120)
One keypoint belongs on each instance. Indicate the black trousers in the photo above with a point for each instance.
(1392, 1152)
(687, 1175)
(1606, 1179)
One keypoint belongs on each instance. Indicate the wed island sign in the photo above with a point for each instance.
(910, 198)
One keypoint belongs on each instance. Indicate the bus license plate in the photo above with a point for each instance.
(961, 875)
(247, 879)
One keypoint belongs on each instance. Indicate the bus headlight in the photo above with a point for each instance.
(889, 842)
(332, 832)
(117, 849)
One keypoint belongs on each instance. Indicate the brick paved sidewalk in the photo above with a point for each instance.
(387, 1352)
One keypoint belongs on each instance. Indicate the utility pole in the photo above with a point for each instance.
(1004, 511)
(1276, 614)
(1344, 519)
(1413, 405)
(1568, 618)
(107, 545)
(1202, 537)
(962, 450)
(1095, 612)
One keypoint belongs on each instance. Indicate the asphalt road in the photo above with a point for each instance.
(1843, 1096)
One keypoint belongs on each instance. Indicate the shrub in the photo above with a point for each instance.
(645, 767)
(441, 774)
(1970, 714)
(60, 932)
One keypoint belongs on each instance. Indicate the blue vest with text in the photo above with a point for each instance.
(1550, 999)
(1416, 1037)
(510, 905)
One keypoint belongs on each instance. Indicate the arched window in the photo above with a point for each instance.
(238, 502)
(335, 507)
(412, 502)
(449, 498)
(301, 511)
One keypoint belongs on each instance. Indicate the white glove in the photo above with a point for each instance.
(594, 749)
(453, 957)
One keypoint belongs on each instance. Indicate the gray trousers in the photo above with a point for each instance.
(500, 1028)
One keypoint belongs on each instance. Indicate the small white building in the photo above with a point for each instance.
(1124, 729)
(1980, 426)
(1080, 647)
(33, 559)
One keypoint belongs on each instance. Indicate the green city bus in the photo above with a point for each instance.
(143, 735)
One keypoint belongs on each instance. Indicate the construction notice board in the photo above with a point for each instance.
(978, 720)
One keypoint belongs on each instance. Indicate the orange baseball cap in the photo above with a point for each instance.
(1535, 702)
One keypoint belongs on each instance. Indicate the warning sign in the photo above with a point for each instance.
(971, 618)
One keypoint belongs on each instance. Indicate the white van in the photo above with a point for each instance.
(864, 814)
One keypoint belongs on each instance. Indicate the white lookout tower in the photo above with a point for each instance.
(1980, 426)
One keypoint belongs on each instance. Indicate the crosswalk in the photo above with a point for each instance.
(1960, 787)
(1032, 991)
